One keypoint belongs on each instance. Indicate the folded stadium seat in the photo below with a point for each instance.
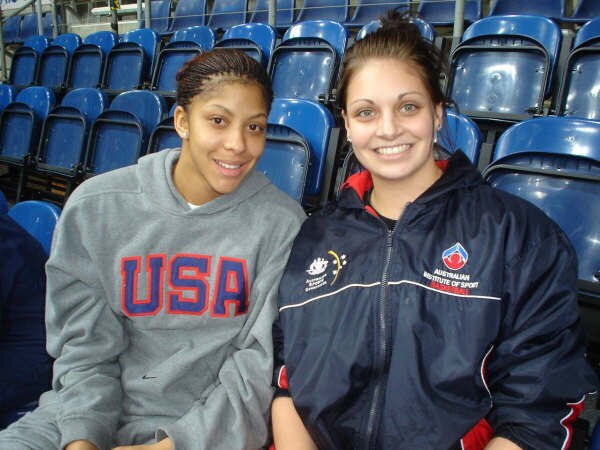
(87, 61)
(579, 94)
(183, 46)
(336, 10)
(164, 135)
(427, 31)
(554, 162)
(25, 61)
(284, 14)
(188, 13)
(255, 39)
(20, 125)
(48, 26)
(306, 62)
(553, 9)
(129, 63)
(368, 10)
(299, 143)
(227, 13)
(585, 11)
(441, 13)
(3, 204)
(38, 218)
(29, 27)
(11, 29)
(63, 142)
(54, 61)
(7, 95)
(119, 136)
(161, 16)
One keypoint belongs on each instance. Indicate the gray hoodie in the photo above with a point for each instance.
(159, 316)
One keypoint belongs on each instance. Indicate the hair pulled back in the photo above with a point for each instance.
(400, 39)
(199, 74)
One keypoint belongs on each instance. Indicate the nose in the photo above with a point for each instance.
(235, 141)
(388, 126)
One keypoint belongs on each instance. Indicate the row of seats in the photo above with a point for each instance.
(18, 28)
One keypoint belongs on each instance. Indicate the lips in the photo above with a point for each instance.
(229, 169)
(228, 166)
(395, 150)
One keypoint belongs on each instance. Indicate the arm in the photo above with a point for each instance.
(289, 432)
(537, 373)
(83, 334)
(501, 444)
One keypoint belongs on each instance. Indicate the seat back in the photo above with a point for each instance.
(579, 94)
(460, 132)
(48, 26)
(11, 29)
(161, 16)
(284, 15)
(87, 61)
(38, 218)
(368, 10)
(119, 136)
(442, 13)
(227, 13)
(25, 61)
(336, 10)
(3, 204)
(185, 44)
(54, 61)
(188, 13)
(21, 122)
(426, 30)
(554, 162)
(305, 64)
(585, 11)
(29, 26)
(164, 135)
(7, 95)
(554, 9)
(129, 63)
(256, 39)
(491, 52)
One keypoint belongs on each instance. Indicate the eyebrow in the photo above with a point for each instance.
(228, 111)
(400, 97)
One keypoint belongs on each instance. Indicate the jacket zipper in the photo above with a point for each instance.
(382, 347)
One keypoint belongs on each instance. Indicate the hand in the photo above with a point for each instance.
(165, 444)
(80, 445)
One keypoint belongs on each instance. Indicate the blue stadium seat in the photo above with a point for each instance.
(189, 13)
(64, 135)
(11, 29)
(585, 11)
(227, 13)
(87, 61)
(3, 204)
(579, 94)
(305, 64)
(441, 13)
(284, 159)
(21, 122)
(460, 132)
(336, 10)
(164, 135)
(184, 45)
(284, 15)
(129, 63)
(25, 61)
(38, 218)
(368, 10)
(29, 26)
(595, 439)
(119, 136)
(48, 26)
(493, 50)
(256, 39)
(160, 11)
(427, 31)
(54, 61)
(553, 9)
(7, 95)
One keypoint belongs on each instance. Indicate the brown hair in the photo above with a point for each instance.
(221, 64)
(400, 39)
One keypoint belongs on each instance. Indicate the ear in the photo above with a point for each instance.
(181, 122)
(438, 120)
(346, 125)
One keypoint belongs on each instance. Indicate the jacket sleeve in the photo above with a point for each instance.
(280, 382)
(235, 414)
(84, 335)
(537, 373)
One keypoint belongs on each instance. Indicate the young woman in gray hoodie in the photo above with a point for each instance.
(162, 281)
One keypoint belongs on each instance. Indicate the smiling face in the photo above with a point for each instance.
(223, 133)
(391, 120)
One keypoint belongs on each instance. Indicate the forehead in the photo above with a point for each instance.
(239, 95)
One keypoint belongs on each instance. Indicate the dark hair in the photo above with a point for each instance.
(216, 65)
(397, 38)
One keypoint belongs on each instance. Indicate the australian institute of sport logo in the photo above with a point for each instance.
(319, 270)
(455, 257)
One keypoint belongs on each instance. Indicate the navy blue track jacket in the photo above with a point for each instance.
(465, 313)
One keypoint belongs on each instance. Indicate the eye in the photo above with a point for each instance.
(217, 120)
(257, 128)
(409, 107)
(364, 113)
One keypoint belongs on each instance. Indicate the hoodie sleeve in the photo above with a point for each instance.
(83, 334)
(537, 374)
(235, 414)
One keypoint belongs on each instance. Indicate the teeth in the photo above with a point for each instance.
(392, 150)
(229, 166)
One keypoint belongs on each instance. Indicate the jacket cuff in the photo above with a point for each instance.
(73, 429)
